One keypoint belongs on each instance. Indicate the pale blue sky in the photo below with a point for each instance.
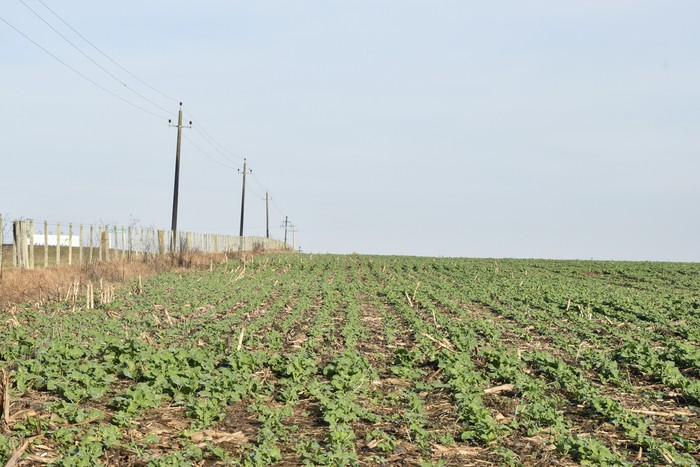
(556, 129)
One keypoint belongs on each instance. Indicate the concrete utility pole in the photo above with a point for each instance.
(177, 167)
(243, 194)
(285, 224)
(267, 215)
(294, 236)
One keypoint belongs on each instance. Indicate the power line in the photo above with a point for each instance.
(207, 155)
(79, 73)
(215, 144)
(91, 59)
(258, 182)
(274, 204)
(105, 55)
(211, 142)
(264, 188)
(255, 192)
(219, 148)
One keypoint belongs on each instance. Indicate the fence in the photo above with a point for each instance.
(33, 244)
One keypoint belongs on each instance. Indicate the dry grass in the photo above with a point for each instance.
(55, 283)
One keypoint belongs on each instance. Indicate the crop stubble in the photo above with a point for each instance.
(357, 360)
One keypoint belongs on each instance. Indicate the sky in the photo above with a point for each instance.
(519, 128)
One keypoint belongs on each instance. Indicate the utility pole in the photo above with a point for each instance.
(285, 224)
(243, 194)
(294, 236)
(267, 215)
(179, 126)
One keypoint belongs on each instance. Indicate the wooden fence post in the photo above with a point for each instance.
(108, 244)
(80, 247)
(58, 244)
(131, 242)
(21, 249)
(103, 243)
(2, 250)
(139, 242)
(153, 242)
(46, 244)
(115, 253)
(70, 244)
(90, 244)
(31, 244)
(123, 244)
(161, 243)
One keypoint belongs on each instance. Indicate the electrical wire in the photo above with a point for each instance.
(208, 139)
(92, 60)
(258, 181)
(221, 151)
(219, 148)
(274, 204)
(107, 56)
(215, 144)
(260, 196)
(81, 74)
(207, 155)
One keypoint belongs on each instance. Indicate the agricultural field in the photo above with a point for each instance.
(294, 359)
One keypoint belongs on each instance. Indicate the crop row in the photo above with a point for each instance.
(344, 360)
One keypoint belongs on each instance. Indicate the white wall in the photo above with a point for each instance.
(53, 240)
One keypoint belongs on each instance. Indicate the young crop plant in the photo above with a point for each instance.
(294, 359)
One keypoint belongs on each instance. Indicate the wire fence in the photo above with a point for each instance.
(29, 244)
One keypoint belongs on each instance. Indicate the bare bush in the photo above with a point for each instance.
(258, 246)
(41, 285)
